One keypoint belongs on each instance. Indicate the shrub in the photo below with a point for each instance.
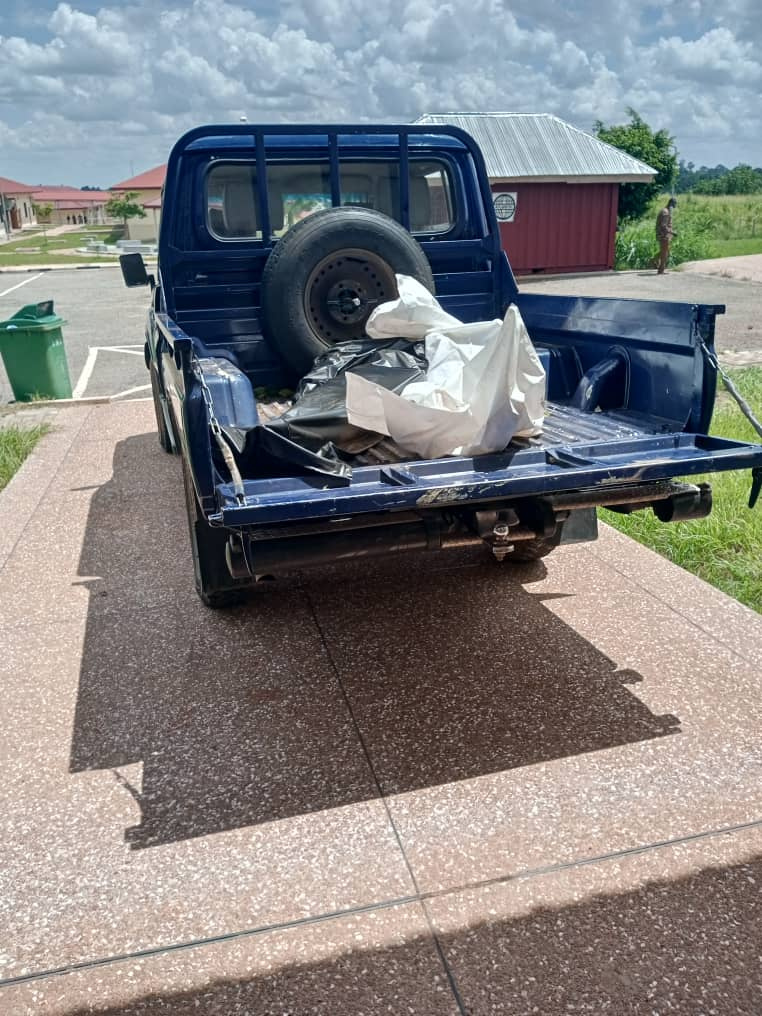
(637, 246)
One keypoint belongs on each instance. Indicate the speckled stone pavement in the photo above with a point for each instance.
(434, 786)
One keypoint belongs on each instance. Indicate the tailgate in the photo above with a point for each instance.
(514, 474)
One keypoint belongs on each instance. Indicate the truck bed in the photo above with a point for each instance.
(564, 425)
(578, 451)
(667, 388)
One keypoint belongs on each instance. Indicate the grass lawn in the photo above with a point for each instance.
(724, 549)
(107, 234)
(53, 250)
(707, 226)
(15, 444)
(733, 248)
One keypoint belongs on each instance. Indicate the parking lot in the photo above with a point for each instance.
(105, 321)
(104, 330)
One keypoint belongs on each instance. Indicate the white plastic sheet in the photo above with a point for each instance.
(484, 385)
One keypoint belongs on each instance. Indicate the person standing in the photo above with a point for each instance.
(664, 233)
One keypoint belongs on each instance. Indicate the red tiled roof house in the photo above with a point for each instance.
(148, 186)
(71, 206)
(16, 211)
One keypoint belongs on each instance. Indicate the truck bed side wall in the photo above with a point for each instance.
(667, 377)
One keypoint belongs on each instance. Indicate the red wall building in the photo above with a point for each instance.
(561, 188)
(560, 227)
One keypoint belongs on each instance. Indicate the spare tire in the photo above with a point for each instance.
(328, 273)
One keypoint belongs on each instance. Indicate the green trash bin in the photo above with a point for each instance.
(33, 352)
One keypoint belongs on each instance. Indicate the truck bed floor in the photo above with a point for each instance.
(563, 425)
(566, 425)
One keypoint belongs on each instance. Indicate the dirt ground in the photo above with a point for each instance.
(739, 329)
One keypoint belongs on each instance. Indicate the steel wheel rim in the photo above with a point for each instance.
(342, 291)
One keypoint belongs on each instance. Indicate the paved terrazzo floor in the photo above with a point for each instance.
(432, 786)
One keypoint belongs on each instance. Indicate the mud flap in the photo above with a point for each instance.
(580, 527)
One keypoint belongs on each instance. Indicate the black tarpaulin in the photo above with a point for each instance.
(314, 435)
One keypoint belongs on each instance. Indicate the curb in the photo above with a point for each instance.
(20, 269)
(559, 276)
(88, 400)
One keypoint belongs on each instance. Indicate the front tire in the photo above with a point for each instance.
(214, 584)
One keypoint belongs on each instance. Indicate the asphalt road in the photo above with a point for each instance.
(104, 330)
(105, 321)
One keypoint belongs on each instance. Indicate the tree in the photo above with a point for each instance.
(43, 213)
(691, 178)
(124, 207)
(655, 148)
(741, 179)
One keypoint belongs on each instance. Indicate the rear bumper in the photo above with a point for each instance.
(564, 518)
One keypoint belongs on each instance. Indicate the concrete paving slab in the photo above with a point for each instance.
(676, 930)
(717, 615)
(157, 791)
(746, 267)
(112, 422)
(96, 549)
(371, 964)
(93, 463)
(28, 487)
(521, 723)
(171, 775)
(109, 533)
(741, 357)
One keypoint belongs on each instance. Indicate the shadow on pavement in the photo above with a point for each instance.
(686, 946)
(238, 718)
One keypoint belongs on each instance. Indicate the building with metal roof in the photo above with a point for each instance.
(539, 147)
(68, 205)
(556, 188)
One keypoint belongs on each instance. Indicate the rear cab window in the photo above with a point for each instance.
(297, 190)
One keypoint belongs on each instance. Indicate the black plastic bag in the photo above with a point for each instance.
(312, 435)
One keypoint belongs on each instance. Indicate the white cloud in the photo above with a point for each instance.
(716, 57)
(92, 93)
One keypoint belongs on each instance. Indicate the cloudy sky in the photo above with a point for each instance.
(90, 92)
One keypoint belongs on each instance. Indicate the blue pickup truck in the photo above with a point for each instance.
(276, 244)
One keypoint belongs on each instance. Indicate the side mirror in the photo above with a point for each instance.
(134, 271)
